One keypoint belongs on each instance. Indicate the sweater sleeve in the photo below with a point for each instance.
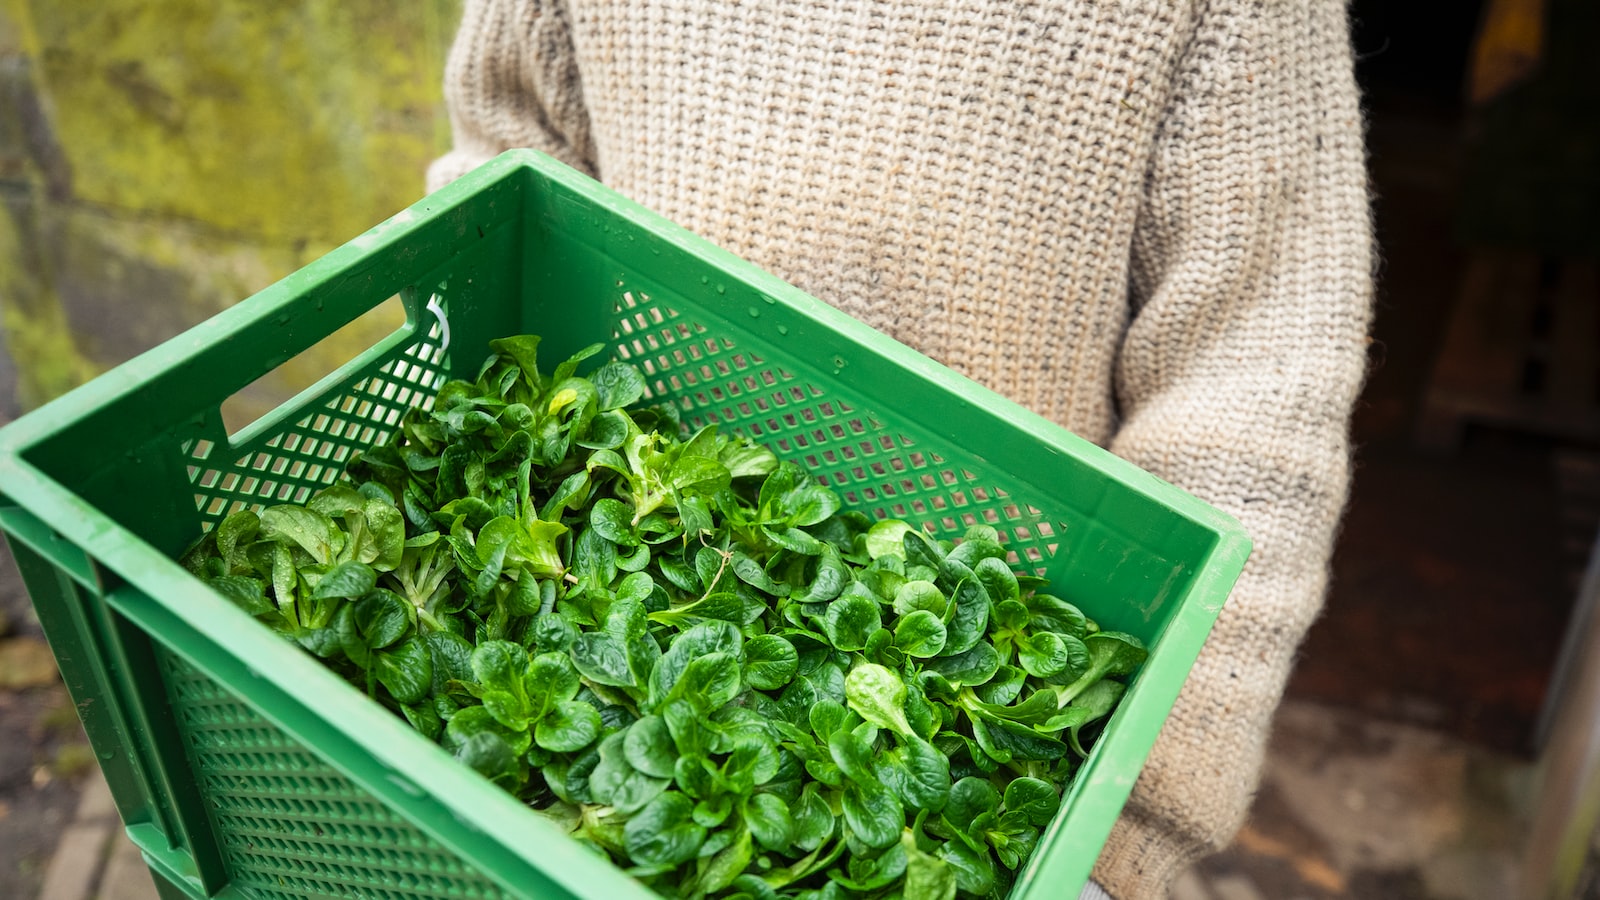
(512, 81)
(1251, 278)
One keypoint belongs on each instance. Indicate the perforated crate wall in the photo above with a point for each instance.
(292, 464)
(290, 826)
(876, 468)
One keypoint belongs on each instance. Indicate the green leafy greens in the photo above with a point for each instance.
(682, 650)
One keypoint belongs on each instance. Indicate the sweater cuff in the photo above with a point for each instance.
(1143, 859)
(1093, 891)
(451, 166)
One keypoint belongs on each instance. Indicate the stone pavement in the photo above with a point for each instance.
(1355, 807)
(95, 860)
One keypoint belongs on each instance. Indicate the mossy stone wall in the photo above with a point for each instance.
(163, 159)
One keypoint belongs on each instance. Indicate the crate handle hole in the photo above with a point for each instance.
(279, 386)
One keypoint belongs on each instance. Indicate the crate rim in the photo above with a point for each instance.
(157, 586)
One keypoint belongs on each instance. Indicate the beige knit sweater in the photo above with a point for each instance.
(1145, 219)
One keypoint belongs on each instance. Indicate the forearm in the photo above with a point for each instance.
(512, 81)
(1252, 285)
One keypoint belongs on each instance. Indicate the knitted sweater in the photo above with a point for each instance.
(1144, 219)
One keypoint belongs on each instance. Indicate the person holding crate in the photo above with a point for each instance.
(1146, 221)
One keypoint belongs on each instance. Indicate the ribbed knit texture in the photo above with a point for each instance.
(1146, 220)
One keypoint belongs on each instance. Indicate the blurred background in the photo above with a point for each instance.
(163, 159)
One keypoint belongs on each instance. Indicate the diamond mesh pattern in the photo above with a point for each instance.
(876, 468)
(288, 824)
(288, 467)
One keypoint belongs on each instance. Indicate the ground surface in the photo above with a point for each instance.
(1355, 807)
(44, 758)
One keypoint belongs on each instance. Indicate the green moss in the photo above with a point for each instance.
(60, 718)
(214, 146)
(208, 272)
(17, 33)
(47, 358)
(37, 336)
(284, 122)
(72, 760)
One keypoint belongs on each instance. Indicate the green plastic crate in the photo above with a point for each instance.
(242, 768)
